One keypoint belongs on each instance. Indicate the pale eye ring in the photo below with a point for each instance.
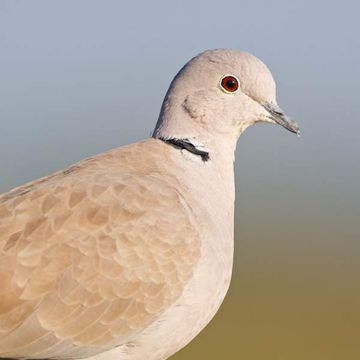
(230, 84)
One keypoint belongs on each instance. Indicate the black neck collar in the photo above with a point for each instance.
(185, 144)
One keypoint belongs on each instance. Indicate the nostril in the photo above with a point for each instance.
(278, 113)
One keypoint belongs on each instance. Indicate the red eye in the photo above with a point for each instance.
(230, 83)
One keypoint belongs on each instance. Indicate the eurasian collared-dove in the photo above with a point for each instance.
(127, 255)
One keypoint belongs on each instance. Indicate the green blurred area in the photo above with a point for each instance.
(285, 305)
(295, 290)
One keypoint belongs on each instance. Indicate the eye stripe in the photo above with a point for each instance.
(229, 83)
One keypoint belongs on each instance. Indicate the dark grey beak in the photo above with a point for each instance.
(280, 118)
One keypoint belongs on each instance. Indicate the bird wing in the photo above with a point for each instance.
(90, 256)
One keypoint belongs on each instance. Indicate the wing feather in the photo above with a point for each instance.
(90, 256)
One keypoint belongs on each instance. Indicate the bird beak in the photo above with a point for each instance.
(277, 115)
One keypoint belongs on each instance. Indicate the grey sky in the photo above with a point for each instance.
(79, 77)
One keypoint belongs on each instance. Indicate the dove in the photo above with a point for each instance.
(128, 254)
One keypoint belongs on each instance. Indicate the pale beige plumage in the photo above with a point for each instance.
(128, 255)
(83, 265)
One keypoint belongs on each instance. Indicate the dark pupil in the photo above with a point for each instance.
(230, 83)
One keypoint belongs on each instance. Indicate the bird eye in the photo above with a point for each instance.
(229, 83)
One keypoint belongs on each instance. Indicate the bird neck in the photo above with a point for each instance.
(185, 144)
(177, 128)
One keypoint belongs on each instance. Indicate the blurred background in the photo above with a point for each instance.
(81, 77)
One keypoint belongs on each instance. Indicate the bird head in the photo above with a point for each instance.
(218, 94)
